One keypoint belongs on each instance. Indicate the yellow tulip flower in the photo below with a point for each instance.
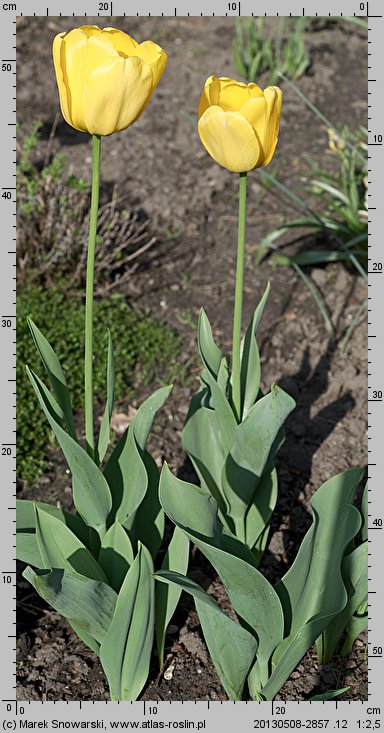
(239, 123)
(105, 78)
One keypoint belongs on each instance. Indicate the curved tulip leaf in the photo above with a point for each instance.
(55, 374)
(231, 647)
(201, 440)
(91, 493)
(250, 360)
(364, 512)
(256, 441)
(125, 651)
(316, 573)
(259, 512)
(87, 604)
(251, 595)
(167, 596)
(125, 470)
(104, 433)
(116, 555)
(312, 592)
(27, 549)
(146, 525)
(355, 575)
(357, 624)
(210, 353)
(60, 548)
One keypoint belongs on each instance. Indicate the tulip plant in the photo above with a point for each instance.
(232, 432)
(95, 566)
(322, 591)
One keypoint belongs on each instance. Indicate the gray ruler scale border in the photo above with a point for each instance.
(207, 716)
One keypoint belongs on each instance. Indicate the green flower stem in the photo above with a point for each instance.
(88, 367)
(237, 316)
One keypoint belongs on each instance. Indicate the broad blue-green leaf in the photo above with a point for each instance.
(104, 434)
(125, 651)
(314, 585)
(356, 625)
(167, 596)
(201, 440)
(125, 470)
(60, 548)
(313, 593)
(116, 555)
(146, 525)
(251, 452)
(226, 421)
(55, 374)
(26, 543)
(364, 513)
(355, 576)
(231, 647)
(259, 512)
(251, 595)
(250, 360)
(210, 353)
(87, 604)
(91, 493)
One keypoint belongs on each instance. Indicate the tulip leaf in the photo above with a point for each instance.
(87, 604)
(91, 493)
(250, 360)
(316, 572)
(60, 548)
(201, 440)
(56, 376)
(26, 543)
(125, 651)
(232, 648)
(355, 576)
(146, 525)
(125, 470)
(329, 695)
(104, 434)
(256, 442)
(209, 352)
(251, 595)
(259, 512)
(356, 625)
(364, 512)
(116, 555)
(312, 592)
(167, 596)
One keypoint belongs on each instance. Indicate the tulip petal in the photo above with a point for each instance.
(255, 111)
(155, 57)
(209, 95)
(116, 94)
(81, 52)
(234, 95)
(274, 100)
(122, 42)
(229, 139)
(62, 87)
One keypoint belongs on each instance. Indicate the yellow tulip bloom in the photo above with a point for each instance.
(105, 78)
(239, 123)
